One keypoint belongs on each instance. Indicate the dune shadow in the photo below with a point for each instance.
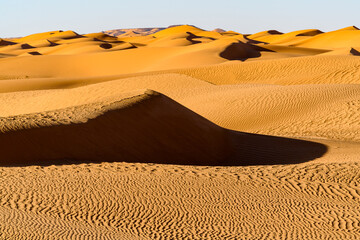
(34, 53)
(75, 36)
(252, 41)
(355, 27)
(354, 52)
(52, 44)
(26, 46)
(106, 45)
(191, 38)
(150, 128)
(310, 33)
(6, 43)
(244, 149)
(274, 32)
(242, 51)
(255, 149)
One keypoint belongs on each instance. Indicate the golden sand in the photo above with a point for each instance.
(180, 133)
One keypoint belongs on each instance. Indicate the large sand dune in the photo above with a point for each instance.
(142, 127)
(180, 133)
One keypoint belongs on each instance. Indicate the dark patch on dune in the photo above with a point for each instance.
(26, 46)
(150, 128)
(242, 51)
(113, 41)
(34, 53)
(191, 38)
(310, 33)
(274, 32)
(6, 43)
(52, 44)
(252, 41)
(255, 149)
(354, 52)
(136, 45)
(132, 46)
(106, 45)
(75, 36)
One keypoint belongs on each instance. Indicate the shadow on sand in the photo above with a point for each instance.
(242, 51)
(149, 128)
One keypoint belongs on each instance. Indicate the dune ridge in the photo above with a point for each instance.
(110, 140)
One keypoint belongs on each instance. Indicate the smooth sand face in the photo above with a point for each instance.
(180, 133)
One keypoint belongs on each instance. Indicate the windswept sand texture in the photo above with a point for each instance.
(180, 133)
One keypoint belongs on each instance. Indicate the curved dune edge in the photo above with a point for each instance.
(149, 127)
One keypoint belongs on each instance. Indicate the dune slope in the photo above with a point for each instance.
(142, 128)
(145, 127)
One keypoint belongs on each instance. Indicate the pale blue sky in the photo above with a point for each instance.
(23, 17)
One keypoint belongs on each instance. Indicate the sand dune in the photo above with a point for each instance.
(110, 141)
(265, 33)
(299, 70)
(180, 133)
(333, 40)
(348, 28)
(112, 131)
(290, 38)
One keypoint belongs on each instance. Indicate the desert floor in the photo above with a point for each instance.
(180, 133)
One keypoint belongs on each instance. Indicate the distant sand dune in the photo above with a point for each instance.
(6, 43)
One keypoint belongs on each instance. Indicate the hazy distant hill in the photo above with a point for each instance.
(130, 32)
(133, 31)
